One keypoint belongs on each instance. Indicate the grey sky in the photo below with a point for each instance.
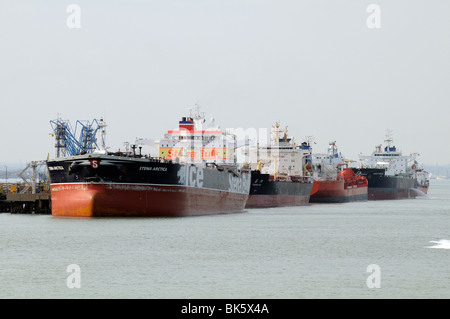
(314, 66)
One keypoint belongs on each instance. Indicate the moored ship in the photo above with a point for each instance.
(182, 181)
(334, 181)
(392, 175)
(278, 176)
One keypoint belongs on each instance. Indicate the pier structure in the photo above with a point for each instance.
(32, 195)
(39, 203)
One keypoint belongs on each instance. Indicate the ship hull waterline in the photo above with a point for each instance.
(337, 192)
(381, 193)
(383, 187)
(265, 193)
(266, 201)
(135, 200)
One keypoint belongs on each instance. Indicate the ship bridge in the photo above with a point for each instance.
(389, 158)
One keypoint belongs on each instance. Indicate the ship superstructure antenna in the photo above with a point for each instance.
(195, 112)
(197, 116)
(388, 138)
(309, 139)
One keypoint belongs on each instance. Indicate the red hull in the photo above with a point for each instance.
(131, 200)
(348, 187)
(260, 201)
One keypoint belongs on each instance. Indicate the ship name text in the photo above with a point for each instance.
(155, 168)
(55, 168)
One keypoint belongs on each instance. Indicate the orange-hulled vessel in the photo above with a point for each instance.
(334, 182)
(195, 174)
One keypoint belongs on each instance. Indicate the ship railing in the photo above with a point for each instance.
(156, 159)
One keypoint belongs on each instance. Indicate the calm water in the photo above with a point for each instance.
(319, 251)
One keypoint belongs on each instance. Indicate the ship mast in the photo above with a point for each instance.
(276, 135)
(388, 138)
(197, 115)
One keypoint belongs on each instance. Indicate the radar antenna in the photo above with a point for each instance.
(388, 138)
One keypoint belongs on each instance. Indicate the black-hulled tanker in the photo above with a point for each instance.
(391, 175)
(280, 172)
(195, 174)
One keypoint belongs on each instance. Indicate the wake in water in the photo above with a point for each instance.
(419, 193)
(441, 244)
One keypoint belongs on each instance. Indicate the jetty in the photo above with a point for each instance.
(29, 196)
(39, 203)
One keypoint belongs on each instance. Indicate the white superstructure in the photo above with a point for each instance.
(281, 157)
(198, 142)
(326, 166)
(391, 159)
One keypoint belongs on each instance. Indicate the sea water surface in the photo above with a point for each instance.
(317, 251)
